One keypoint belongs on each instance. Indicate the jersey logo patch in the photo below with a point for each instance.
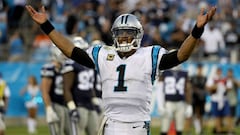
(110, 57)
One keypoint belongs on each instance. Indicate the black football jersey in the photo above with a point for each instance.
(56, 91)
(82, 90)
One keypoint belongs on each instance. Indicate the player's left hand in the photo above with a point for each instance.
(188, 111)
(205, 16)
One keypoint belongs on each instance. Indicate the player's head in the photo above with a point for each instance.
(127, 33)
(80, 42)
(56, 54)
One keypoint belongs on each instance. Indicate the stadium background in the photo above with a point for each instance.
(30, 57)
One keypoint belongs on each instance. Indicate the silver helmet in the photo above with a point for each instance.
(56, 54)
(80, 42)
(127, 33)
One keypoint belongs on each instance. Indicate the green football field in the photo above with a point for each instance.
(43, 130)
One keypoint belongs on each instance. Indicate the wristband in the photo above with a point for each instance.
(47, 27)
(197, 32)
(71, 105)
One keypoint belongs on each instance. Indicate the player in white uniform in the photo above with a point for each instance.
(174, 99)
(126, 70)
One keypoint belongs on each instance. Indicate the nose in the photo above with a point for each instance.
(125, 39)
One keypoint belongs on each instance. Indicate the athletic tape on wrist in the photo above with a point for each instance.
(47, 27)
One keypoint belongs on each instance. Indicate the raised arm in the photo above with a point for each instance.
(59, 40)
(189, 44)
(63, 43)
(183, 53)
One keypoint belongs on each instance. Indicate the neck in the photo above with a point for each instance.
(126, 54)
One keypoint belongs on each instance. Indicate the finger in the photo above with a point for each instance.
(43, 9)
(31, 10)
(211, 13)
(213, 10)
(202, 11)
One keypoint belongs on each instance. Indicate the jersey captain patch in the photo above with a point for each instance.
(110, 57)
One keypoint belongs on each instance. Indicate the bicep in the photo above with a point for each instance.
(81, 57)
(169, 60)
(46, 84)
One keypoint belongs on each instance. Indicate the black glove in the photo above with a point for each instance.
(74, 115)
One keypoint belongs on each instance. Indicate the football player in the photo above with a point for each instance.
(198, 82)
(79, 94)
(174, 99)
(220, 108)
(127, 70)
(52, 92)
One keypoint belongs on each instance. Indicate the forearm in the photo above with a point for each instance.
(189, 43)
(186, 48)
(46, 99)
(188, 96)
(45, 87)
(68, 79)
(63, 43)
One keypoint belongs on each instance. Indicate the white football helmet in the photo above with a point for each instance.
(80, 42)
(56, 54)
(97, 42)
(127, 33)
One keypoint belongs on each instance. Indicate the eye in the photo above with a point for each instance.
(125, 33)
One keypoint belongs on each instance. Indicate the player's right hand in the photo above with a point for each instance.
(74, 115)
(51, 115)
(38, 17)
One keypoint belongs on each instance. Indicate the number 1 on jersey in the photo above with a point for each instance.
(120, 86)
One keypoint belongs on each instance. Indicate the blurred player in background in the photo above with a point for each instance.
(198, 82)
(79, 94)
(220, 109)
(127, 70)
(4, 96)
(232, 86)
(31, 91)
(52, 92)
(174, 99)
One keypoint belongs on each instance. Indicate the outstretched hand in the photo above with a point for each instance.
(38, 17)
(203, 18)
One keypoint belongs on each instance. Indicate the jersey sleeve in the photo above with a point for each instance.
(67, 67)
(47, 70)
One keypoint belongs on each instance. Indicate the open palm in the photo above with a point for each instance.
(203, 18)
(38, 17)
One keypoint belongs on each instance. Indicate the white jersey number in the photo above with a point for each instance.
(58, 86)
(85, 79)
(172, 85)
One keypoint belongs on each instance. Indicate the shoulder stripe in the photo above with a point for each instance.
(95, 53)
(155, 52)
